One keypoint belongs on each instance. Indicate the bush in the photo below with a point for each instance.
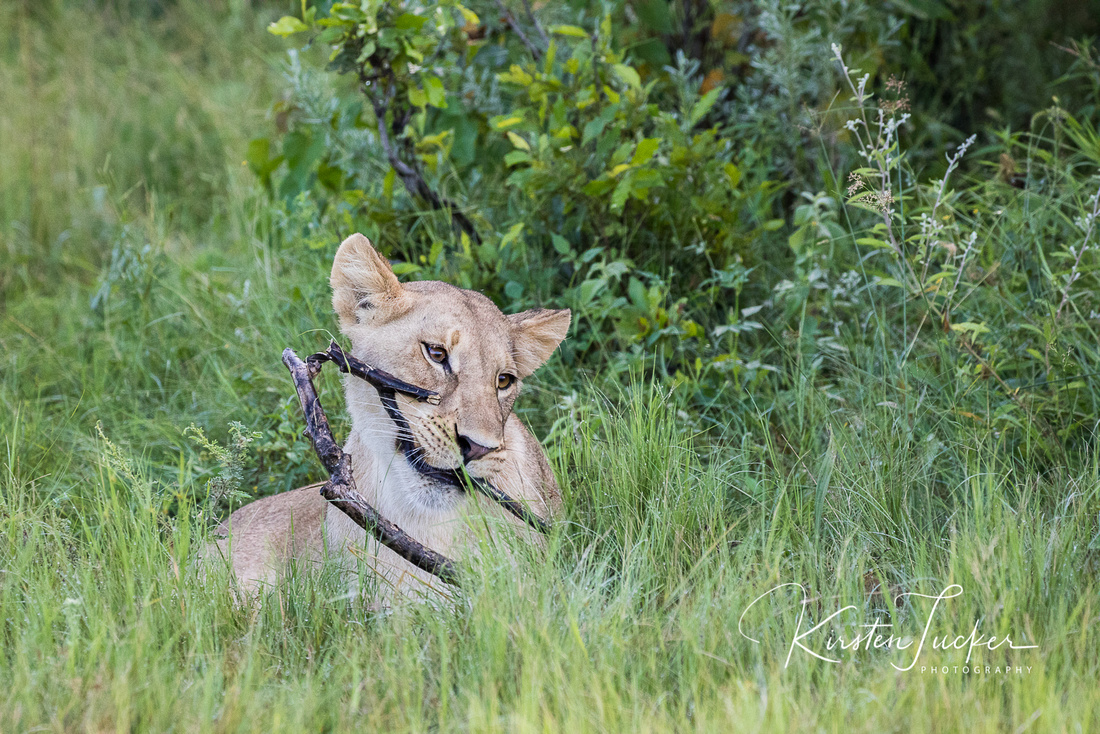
(543, 161)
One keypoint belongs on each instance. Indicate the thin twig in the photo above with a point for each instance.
(535, 22)
(1073, 274)
(340, 488)
(511, 21)
(410, 174)
(379, 378)
(952, 164)
(510, 504)
(386, 384)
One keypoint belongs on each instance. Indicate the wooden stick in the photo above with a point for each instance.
(384, 381)
(379, 378)
(340, 488)
(513, 506)
(514, 25)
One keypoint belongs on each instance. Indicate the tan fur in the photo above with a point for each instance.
(389, 323)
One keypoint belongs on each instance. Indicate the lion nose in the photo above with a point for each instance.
(471, 450)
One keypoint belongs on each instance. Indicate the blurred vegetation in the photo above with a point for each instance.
(686, 186)
(836, 319)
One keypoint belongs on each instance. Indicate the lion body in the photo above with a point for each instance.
(400, 328)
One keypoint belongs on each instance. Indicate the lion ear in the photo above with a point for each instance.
(363, 282)
(535, 336)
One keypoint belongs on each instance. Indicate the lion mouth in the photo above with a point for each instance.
(452, 477)
(414, 455)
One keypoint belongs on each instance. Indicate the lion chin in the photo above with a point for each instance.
(410, 459)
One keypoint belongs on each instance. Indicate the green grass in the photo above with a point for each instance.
(630, 624)
(147, 285)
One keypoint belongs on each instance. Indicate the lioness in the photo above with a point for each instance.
(436, 336)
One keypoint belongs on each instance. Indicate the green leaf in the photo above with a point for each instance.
(645, 178)
(417, 97)
(511, 235)
(621, 154)
(796, 240)
(410, 22)
(598, 187)
(302, 151)
(860, 205)
(734, 174)
(628, 74)
(561, 244)
(702, 107)
(387, 184)
(330, 176)
(594, 127)
(500, 122)
(288, 25)
(569, 30)
(590, 254)
(260, 159)
(468, 15)
(516, 157)
(970, 327)
(645, 151)
(519, 142)
(654, 14)
(347, 11)
(437, 95)
(618, 196)
(590, 288)
(873, 242)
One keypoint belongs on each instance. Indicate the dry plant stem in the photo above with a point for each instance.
(535, 22)
(383, 380)
(379, 378)
(340, 488)
(958, 279)
(952, 164)
(1044, 427)
(1073, 274)
(510, 504)
(511, 21)
(411, 176)
(860, 96)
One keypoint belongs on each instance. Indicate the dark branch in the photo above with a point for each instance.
(513, 506)
(379, 378)
(410, 174)
(511, 20)
(340, 488)
(535, 22)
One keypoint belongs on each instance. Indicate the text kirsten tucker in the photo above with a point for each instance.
(876, 637)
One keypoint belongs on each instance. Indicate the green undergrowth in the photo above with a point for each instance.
(798, 401)
(631, 621)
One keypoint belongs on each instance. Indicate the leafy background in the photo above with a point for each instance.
(836, 322)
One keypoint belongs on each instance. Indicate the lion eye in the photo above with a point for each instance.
(505, 381)
(436, 353)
